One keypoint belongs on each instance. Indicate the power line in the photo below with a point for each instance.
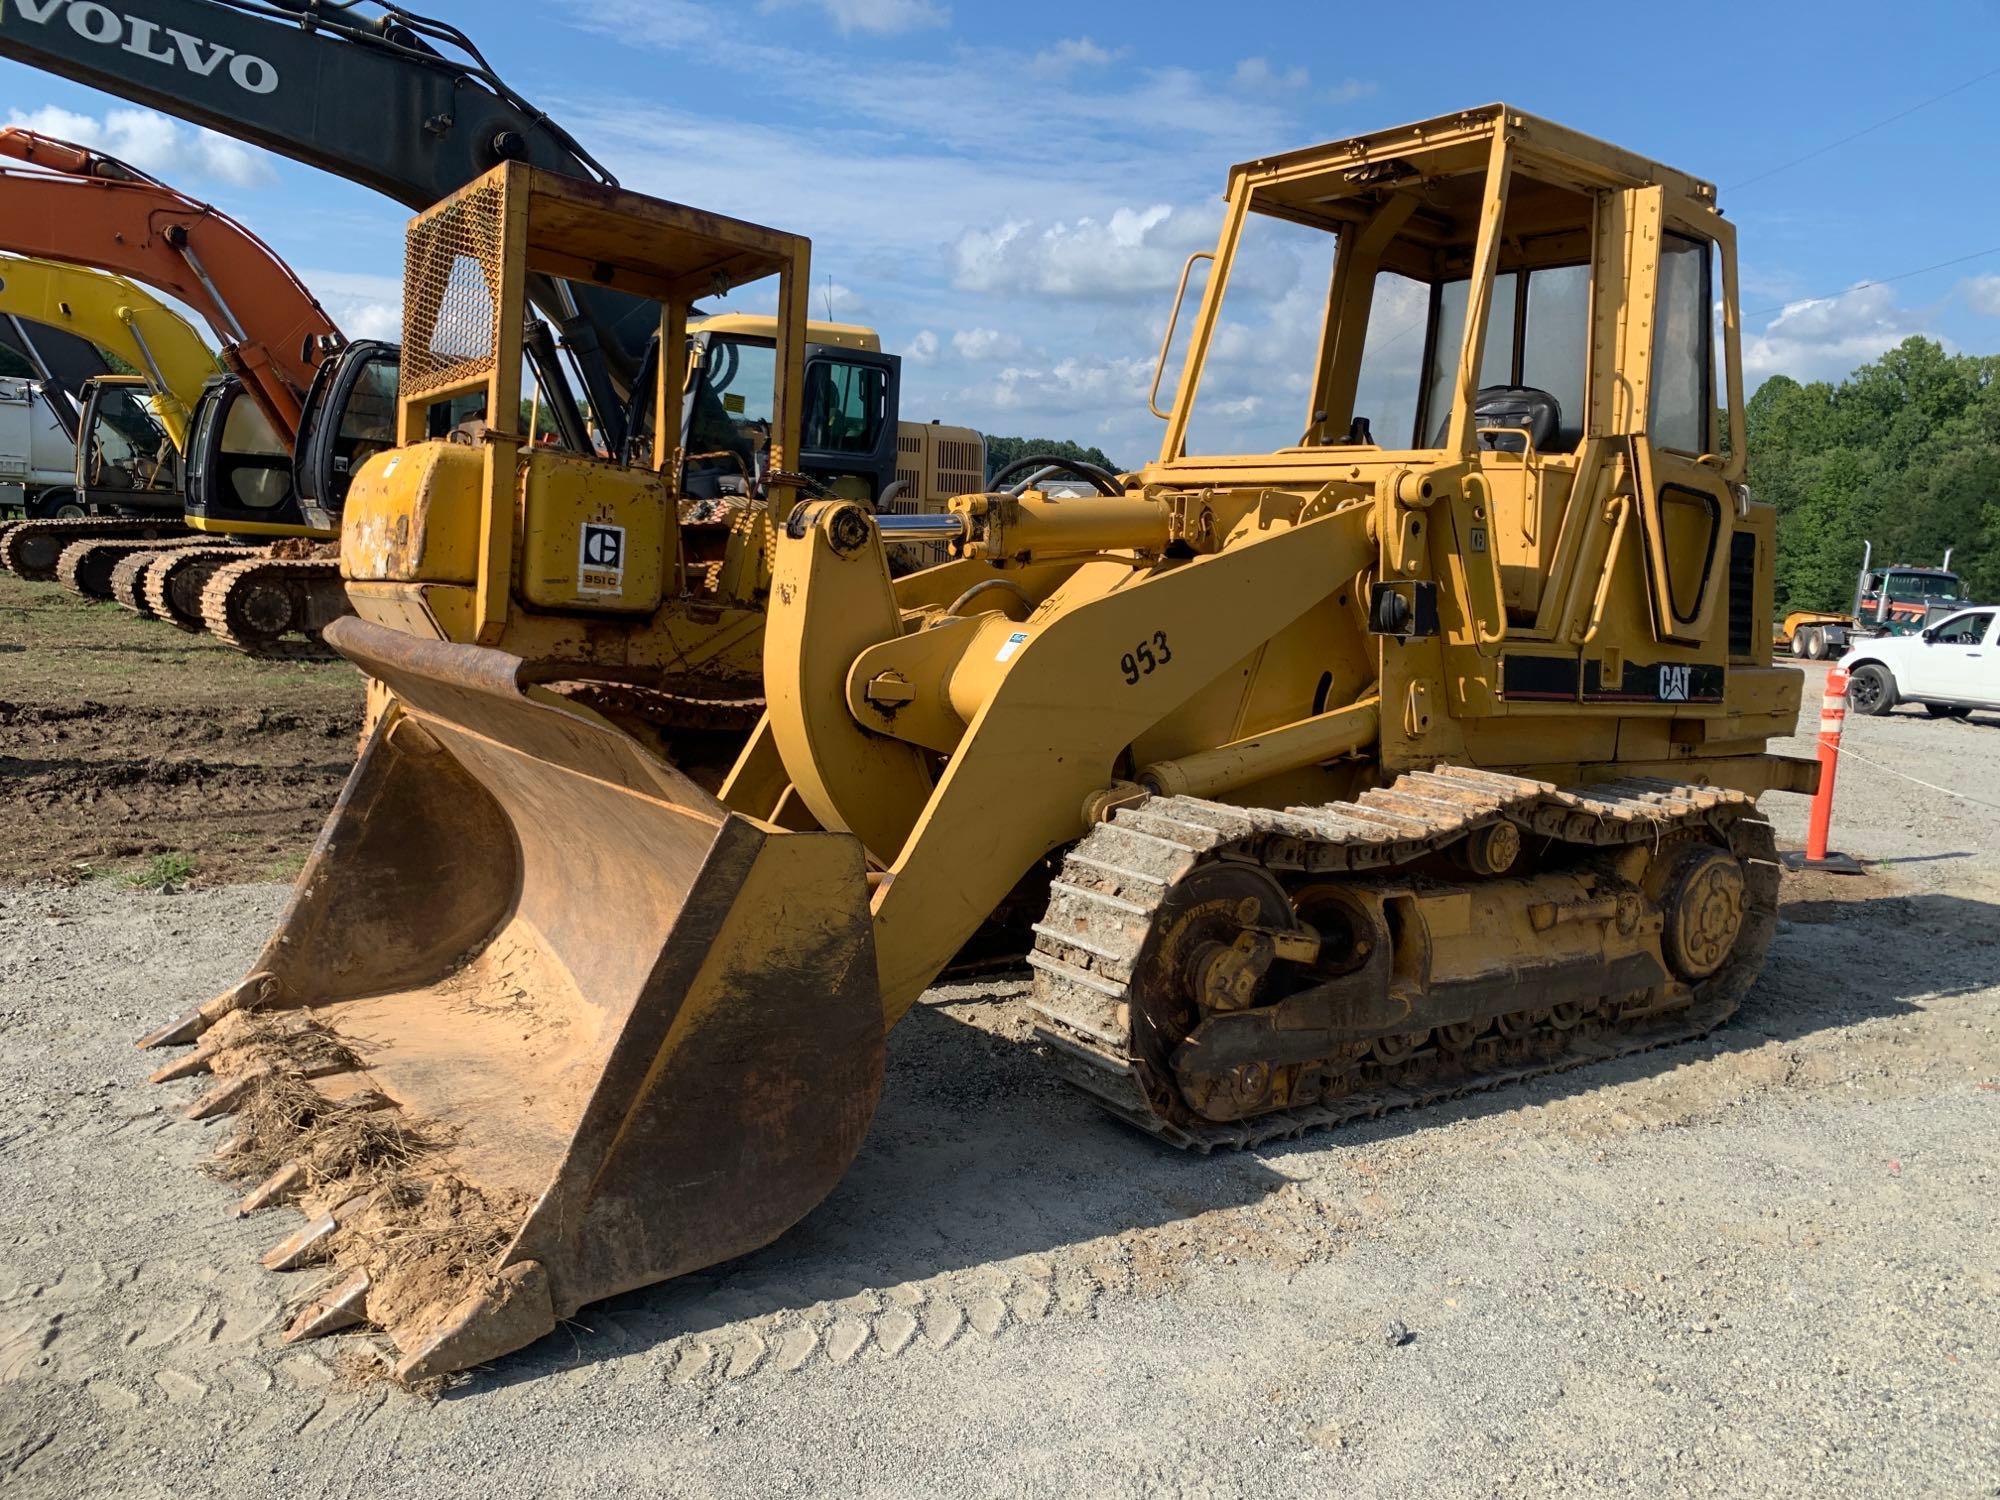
(1865, 130)
(1862, 286)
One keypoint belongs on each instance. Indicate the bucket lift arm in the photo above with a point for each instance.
(379, 95)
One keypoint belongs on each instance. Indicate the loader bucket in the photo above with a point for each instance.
(542, 1022)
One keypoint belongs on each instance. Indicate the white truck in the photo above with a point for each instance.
(37, 454)
(1950, 667)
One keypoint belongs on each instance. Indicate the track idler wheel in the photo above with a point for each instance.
(262, 609)
(1703, 899)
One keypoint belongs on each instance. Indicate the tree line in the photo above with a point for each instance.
(1904, 453)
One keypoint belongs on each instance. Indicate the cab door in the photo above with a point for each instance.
(239, 472)
(848, 441)
(350, 415)
(1957, 662)
(1686, 507)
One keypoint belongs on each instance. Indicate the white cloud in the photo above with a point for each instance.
(1131, 251)
(1071, 53)
(835, 302)
(979, 344)
(361, 305)
(1348, 90)
(1257, 73)
(1825, 338)
(1983, 293)
(948, 205)
(881, 17)
(1060, 388)
(154, 144)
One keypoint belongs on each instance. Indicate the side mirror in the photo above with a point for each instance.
(1931, 634)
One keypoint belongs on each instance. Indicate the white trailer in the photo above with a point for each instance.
(37, 454)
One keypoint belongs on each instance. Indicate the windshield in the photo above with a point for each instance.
(1923, 586)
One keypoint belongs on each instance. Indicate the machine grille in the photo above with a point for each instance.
(451, 291)
(1743, 594)
(961, 467)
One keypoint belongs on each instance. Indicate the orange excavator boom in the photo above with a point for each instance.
(94, 210)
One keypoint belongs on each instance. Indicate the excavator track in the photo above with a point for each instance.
(172, 583)
(88, 567)
(34, 549)
(128, 583)
(274, 607)
(1107, 901)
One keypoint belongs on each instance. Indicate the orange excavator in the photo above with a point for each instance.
(82, 206)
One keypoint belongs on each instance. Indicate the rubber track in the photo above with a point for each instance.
(1114, 880)
(17, 534)
(157, 575)
(85, 552)
(222, 621)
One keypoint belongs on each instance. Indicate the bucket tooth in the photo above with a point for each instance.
(174, 1033)
(510, 1314)
(247, 993)
(226, 1095)
(281, 1186)
(342, 1308)
(309, 1244)
(198, 1061)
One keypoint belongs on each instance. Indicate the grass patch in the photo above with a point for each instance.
(165, 873)
(285, 869)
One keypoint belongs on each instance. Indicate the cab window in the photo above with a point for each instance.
(845, 405)
(1683, 360)
(1537, 338)
(1965, 630)
(1911, 587)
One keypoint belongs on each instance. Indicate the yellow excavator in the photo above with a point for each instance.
(1347, 774)
(132, 428)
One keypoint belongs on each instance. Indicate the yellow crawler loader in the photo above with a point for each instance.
(1350, 773)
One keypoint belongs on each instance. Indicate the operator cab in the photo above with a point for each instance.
(849, 441)
(124, 458)
(1492, 293)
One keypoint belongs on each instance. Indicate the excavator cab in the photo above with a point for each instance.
(849, 430)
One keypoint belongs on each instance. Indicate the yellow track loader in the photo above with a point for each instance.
(1347, 774)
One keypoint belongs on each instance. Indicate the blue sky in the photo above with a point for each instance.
(1007, 191)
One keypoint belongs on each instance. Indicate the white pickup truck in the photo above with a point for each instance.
(1950, 668)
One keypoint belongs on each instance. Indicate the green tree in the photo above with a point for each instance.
(1002, 451)
(1904, 453)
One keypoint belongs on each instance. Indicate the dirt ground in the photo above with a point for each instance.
(129, 748)
(1759, 1264)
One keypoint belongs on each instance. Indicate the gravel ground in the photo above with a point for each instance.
(1758, 1264)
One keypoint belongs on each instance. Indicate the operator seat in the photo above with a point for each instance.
(1520, 407)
